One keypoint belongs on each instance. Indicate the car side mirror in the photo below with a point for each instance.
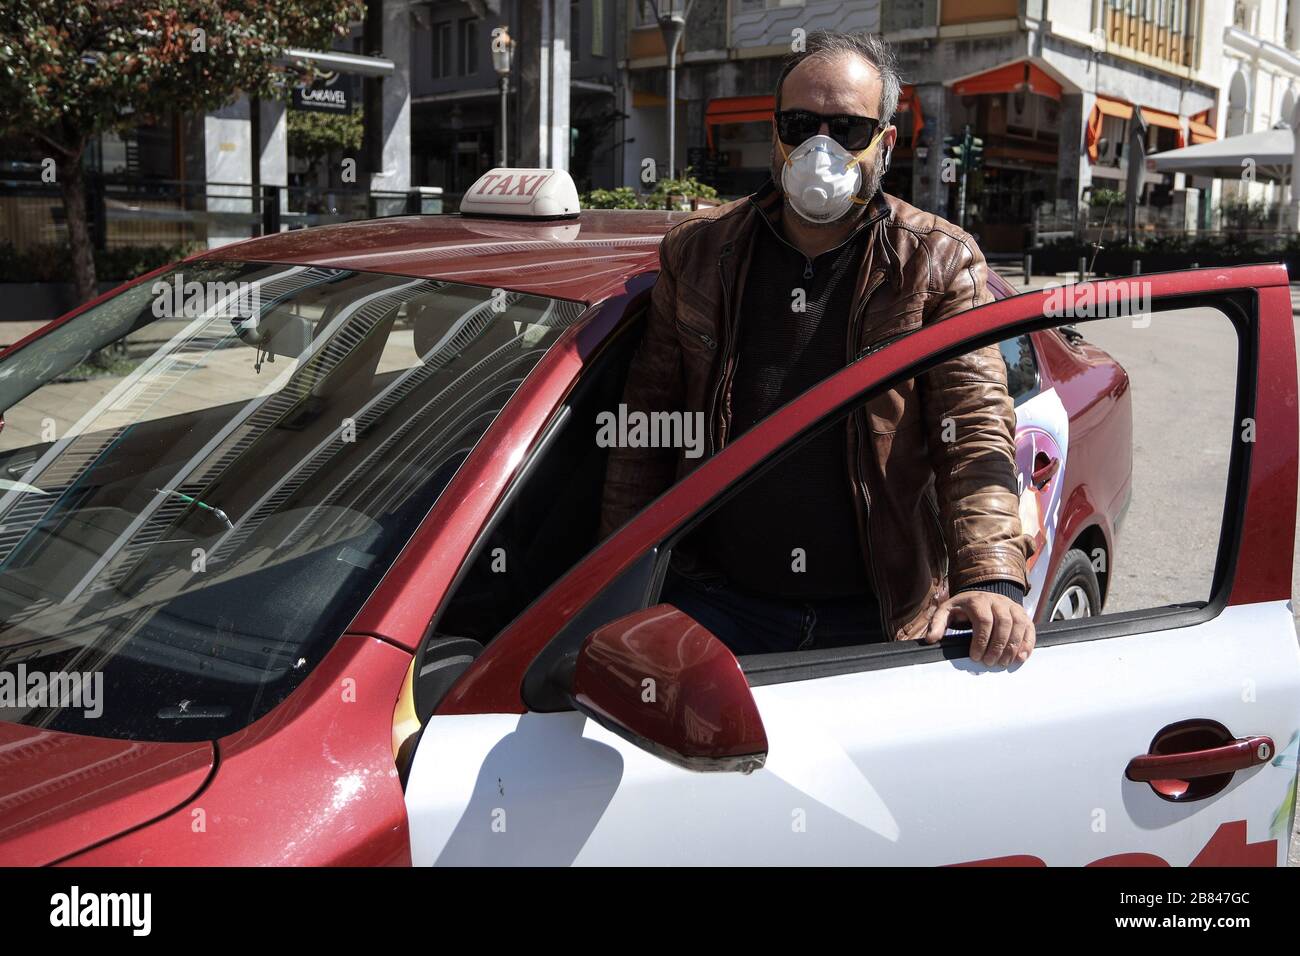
(663, 682)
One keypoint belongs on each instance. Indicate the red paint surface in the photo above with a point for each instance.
(582, 260)
(312, 783)
(1226, 847)
(1263, 571)
(62, 792)
(701, 706)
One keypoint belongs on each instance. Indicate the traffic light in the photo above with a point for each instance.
(975, 154)
(952, 149)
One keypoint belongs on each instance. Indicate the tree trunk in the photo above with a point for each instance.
(72, 182)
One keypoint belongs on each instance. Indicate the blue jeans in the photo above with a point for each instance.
(749, 624)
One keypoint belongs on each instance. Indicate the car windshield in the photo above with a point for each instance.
(204, 477)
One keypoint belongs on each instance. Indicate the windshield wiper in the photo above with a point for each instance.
(191, 500)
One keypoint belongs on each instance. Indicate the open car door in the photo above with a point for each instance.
(604, 727)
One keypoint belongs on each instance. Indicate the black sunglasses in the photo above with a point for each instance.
(851, 132)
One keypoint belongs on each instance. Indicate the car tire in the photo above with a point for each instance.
(1075, 593)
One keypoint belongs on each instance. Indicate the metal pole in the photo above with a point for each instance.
(965, 171)
(671, 26)
(505, 118)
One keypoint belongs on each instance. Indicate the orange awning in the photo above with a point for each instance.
(1105, 106)
(1118, 108)
(1167, 120)
(1200, 128)
(910, 102)
(1108, 106)
(737, 109)
(1009, 78)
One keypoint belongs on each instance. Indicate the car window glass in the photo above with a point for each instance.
(198, 492)
(1120, 470)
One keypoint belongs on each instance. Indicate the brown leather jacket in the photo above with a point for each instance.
(933, 515)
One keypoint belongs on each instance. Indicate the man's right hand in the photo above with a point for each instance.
(1002, 633)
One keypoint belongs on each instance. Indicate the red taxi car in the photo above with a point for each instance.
(316, 552)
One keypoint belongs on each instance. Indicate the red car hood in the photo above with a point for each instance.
(60, 793)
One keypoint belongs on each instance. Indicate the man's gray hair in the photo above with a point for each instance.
(829, 44)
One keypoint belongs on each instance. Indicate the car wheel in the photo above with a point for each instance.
(1075, 592)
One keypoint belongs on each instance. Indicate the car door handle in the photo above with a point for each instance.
(1045, 470)
(1211, 761)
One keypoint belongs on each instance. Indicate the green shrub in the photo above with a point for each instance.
(624, 197)
(621, 198)
(1105, 197)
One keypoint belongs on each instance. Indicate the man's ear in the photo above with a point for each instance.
(887, 147)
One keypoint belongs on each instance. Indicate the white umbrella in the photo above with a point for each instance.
(1271, 151)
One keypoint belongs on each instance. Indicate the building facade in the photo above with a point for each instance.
(1053, 87)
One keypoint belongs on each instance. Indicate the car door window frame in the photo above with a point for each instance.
(1238, 303)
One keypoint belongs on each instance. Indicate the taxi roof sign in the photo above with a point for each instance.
(512, 193)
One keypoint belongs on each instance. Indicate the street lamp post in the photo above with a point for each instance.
(501, 44)
(672, 25)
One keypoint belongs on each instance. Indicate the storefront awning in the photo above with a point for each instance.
(1013, 77)
(1109, 106)
(1200, 128)
(737, 109)
(1105, 106)
(1117, 108)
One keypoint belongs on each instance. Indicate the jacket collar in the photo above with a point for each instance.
(769, 199)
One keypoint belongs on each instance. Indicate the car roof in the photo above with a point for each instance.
(580, 259)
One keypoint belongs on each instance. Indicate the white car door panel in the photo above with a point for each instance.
(901, 765)
(880, 757)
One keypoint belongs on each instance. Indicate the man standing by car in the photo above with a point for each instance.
(864, 532)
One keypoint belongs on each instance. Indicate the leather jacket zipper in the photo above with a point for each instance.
(704, 337)
(859, 415)
(715, 439)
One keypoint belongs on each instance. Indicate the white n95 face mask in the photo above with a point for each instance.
(821, 178)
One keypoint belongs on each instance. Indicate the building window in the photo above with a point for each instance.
(575, 29)
(598, 27)
(1162, 29)
(442, 49)
(468, 47)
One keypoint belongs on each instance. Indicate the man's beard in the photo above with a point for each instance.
(867, 189)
